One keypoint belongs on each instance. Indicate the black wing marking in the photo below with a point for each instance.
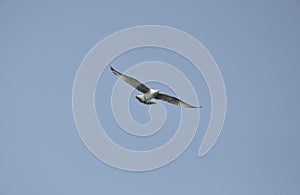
(131, 81)
(174, 100)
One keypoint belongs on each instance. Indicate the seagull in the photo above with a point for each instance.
(148, 95)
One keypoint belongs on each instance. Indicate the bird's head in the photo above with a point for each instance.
(154, 91)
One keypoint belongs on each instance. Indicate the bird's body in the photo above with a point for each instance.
(148, 98)
(148, 95)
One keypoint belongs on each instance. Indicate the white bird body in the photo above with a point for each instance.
(151, 94)
(148, 98)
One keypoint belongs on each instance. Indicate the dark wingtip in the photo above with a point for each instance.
(114, 71)
(196, 107)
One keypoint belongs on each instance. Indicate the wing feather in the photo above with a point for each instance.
(131, 81)
(174, 100)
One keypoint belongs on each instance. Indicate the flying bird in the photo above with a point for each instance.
(148, 95)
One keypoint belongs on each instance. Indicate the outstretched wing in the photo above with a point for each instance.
(174, 100)
(131, 81)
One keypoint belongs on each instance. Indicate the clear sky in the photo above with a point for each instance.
(256, 45)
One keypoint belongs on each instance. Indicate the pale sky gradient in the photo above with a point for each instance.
(256, 45)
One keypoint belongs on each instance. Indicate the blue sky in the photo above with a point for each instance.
(256, 45)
